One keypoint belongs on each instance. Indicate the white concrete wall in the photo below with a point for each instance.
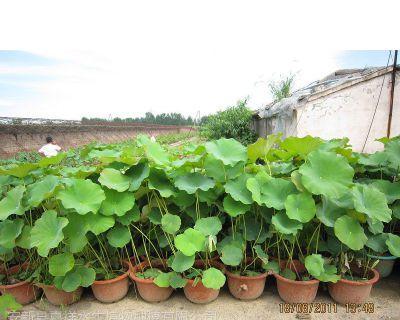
(348, 113)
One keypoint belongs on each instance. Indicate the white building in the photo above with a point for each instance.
(341, 105)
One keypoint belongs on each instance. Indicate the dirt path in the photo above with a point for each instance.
(385, 297)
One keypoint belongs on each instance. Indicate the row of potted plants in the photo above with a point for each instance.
(303, 209)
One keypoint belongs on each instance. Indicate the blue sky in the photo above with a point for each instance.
(108, 84)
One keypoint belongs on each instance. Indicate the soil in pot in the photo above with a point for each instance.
(196, 292)
(148, 290)
(353, 291)
(296, 291)
(112, 290)
(59, 297)
(24, 292)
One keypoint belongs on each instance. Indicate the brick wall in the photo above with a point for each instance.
(18, 138)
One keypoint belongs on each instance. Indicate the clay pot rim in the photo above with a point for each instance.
(116, 279)
(382, 257)
(238, 276)
(15, 285)
(371, 281)
(144, 264)
(300, 282)
(52, 286)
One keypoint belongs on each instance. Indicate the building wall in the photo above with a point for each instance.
(348, 113)
(18, 138)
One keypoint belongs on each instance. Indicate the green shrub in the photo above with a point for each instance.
(234, 122)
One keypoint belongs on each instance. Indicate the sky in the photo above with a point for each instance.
(97, 60)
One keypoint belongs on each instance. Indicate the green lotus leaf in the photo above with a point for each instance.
(288, 274)
(377, 242)
(329, 274)
(98, 223)
(285, 225)
(24, 240)
(75, 232)
(162, 280)
(261, 148)
(328, 212)
(137, 174)
(176, 281)
(82, 195)
(117, 203)
(327, 174)
(47, 232)
(377, 159)
(183, 199)
(390, 189)
(8, 305)
(375, 226)
(209, 226)
(261, 254)
(372, 202)
(210, 196)
(156, 153)
(193, 182)
(88, 275)
(118, 236)
(213, 279)
(295, 177)
(235, 208)
(42, 190)
(300, 207)
(105, 156)
(160, 182)
(217, 170)
(170, 223)
(20, 171)
(271, 266)
(301, 145)
(190, 242)
(71, 282)
(392, 149)
(48, 161)
(231, 255)
(182, 262)
(271, 192)
(11, 203)
(132, 215)
(114, 179)
(61, 263)
(9, 232)
(238, 191)
(314, 265)
(349, 231)
(229, 151)
(393, 244)
(155, 216)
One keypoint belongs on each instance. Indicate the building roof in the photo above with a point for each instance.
(335, 81)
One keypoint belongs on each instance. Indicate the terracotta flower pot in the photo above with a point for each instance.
(199, 293)
(246, 287)
(24, 292)
(294, 291)
(113, 290)
(348, 291)
(59, 297)
(148, 290)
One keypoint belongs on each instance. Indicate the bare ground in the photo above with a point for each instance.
(385, 298)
